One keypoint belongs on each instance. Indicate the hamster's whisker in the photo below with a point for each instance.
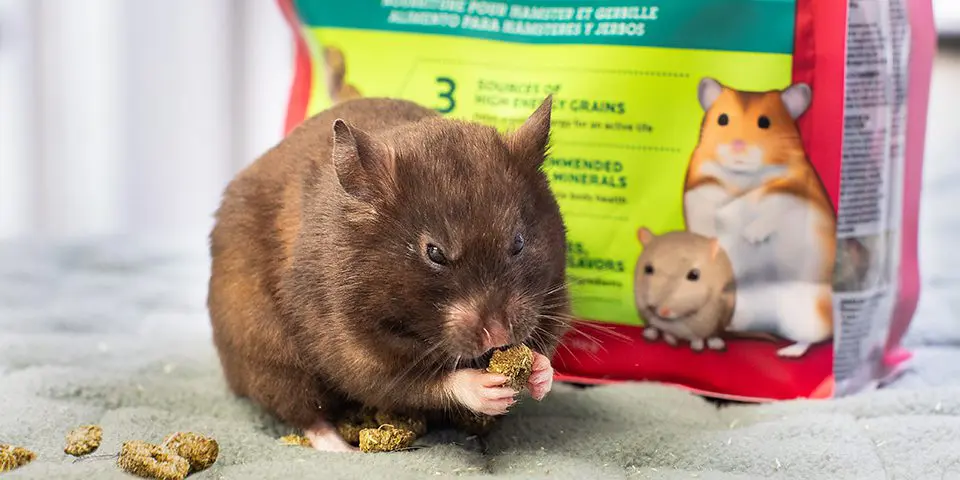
(593, 339)
(587, 336)
(566, 347)
(413, 365)
(604, 329)
(456, 363)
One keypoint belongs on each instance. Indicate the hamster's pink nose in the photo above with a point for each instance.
(738, 146)
(494, 336)
(664, 312)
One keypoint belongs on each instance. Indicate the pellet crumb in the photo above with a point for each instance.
(83, 440)
(152, 461)
(14, 457)
(200, 451)
(295, 440)
(353, 422)
(386, 438)
(515, 363)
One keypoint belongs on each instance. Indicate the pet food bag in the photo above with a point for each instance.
(739, 178)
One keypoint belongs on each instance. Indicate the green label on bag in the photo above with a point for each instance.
(626, 114)
(691, 24)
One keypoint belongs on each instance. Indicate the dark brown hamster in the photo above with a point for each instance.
(375, 253)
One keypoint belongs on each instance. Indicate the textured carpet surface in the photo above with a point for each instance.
(116, 333)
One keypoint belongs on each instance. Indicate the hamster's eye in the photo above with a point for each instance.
(436, 255)
(518, 243)
(763, 122)
(723, 120)
(693, 275)
(648, 269)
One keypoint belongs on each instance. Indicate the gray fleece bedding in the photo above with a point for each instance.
(115, 333)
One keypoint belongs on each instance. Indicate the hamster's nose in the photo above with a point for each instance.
(494, 336)
(738, 146)
(664, 312)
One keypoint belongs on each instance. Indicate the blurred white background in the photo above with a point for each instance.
(121, 116)
(129, 116)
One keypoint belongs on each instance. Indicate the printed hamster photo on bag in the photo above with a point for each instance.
(684, 288)
(335, 69)
(755, 209)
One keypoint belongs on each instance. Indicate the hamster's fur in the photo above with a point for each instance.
(378, 250)
(750, 184)
(684, 288)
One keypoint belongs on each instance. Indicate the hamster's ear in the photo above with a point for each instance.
(708, 92)
(529, 142)
(364, 166)
(714, 249)
(797, 99)
(645, 236)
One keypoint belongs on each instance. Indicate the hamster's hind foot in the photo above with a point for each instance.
(716, 343)
(325, 438)
(796, 350)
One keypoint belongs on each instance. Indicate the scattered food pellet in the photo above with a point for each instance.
(386, 438)
(295, 440)
(83, 440)
(414, 423)
(200, 451)
(350, 425)
(515, 363)
(152, 461)
(14, 457)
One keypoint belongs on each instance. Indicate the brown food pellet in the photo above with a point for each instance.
(295, 440)
(386, 438)
(83, 440)
(200, 451)
(14, 457)
(416, 423)
(350, 425)
(515, 363)
(152, 461)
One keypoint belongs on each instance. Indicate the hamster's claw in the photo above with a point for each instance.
(480, 392)
(325, 438)
(541, 380)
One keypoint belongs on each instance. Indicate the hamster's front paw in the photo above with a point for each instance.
(696, 345)
(670, 339)
(757, 231)
(481, 392)
(651, 334)
(541, 380)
